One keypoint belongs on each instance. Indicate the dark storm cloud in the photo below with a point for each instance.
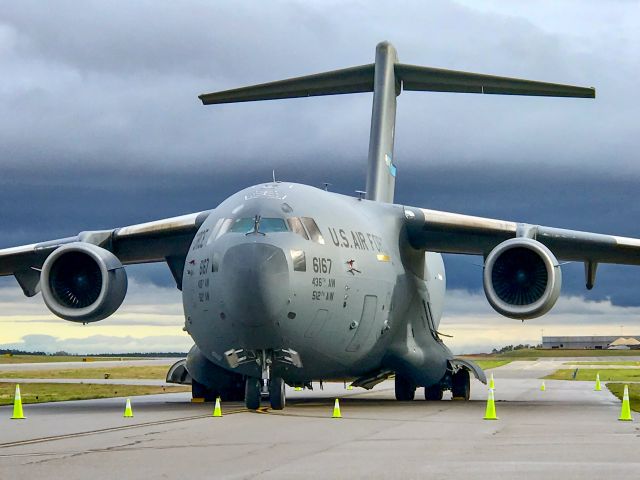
(100, 125)
(97, 82)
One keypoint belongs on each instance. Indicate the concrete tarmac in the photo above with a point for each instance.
(569, 431)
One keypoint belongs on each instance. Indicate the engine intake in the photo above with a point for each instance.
(82, 282)
(522, 278)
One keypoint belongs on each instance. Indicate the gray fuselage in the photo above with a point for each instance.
(351, 297)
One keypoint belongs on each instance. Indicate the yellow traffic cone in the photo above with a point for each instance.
(492, 383)
(18, 414)
(298, 389)
(217, 411)
(128, 411)
(598, 387)
(490, 413)
(336, 410)
(350, 387)
(543, 387)
(625, 412)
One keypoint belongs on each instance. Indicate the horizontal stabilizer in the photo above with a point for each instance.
(429, 79)
(425, 79)
(348, 80)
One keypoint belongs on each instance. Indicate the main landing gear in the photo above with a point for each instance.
(405, 389)
(459, 383)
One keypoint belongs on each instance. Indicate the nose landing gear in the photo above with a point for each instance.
(274, 387)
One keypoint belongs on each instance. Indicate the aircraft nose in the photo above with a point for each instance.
(256, 283)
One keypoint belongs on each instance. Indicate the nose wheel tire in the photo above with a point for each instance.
(461, 385)
(277, 397)
(252, 393)
(405, 389)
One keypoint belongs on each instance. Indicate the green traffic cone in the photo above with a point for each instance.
(128, 411)
(336, 410)
(18, 414)
(217, 411)
(543, 387)
(625, 412)
(598, 387)
(490, 412)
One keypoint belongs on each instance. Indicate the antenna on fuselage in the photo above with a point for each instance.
(273, 173)
(387, 78)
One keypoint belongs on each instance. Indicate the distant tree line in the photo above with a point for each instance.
(511, 348)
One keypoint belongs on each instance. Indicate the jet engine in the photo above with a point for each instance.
(81, 282)
(522, 278)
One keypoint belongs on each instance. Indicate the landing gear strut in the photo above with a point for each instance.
(405, 389)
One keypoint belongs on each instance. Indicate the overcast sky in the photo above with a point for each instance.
(100, 126)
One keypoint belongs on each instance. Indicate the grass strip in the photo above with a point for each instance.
(8, 359)
(634, 393)
(589, 374)
(536, 353)
(55, 392)
(158, 372)
(628, 363)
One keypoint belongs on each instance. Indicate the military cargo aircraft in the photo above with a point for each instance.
(285, 283)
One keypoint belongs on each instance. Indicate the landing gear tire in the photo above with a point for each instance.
(461, 385)
(252, 393)
(277, 396)
(433, 393)
(200, 390)
(405, 389)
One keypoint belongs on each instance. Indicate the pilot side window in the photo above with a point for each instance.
(312, 228)
(296, 227)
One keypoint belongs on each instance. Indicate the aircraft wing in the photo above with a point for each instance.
(445, 232)
(166, 240)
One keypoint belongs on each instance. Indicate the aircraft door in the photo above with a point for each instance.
(367, 319)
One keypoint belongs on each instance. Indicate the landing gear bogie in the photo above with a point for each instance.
(433, 393)
(405, 389)
(461, 385)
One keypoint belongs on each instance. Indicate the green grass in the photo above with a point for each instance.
(535, 353)
(589, 374)
(634, 393)
(7, 359)
(488, 364)
(57, 392)
(115, 373)
(628, 363)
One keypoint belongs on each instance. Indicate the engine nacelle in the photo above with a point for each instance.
(81, 282)
(522, 278)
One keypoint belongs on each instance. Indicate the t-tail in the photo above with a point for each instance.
(387, 78)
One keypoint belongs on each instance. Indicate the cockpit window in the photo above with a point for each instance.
(267, 225)
(312, 228)
(296, 227)
(242, 225)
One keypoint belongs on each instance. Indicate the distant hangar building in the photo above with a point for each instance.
(592, 342)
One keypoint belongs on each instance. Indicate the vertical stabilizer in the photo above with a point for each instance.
(381, 172)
